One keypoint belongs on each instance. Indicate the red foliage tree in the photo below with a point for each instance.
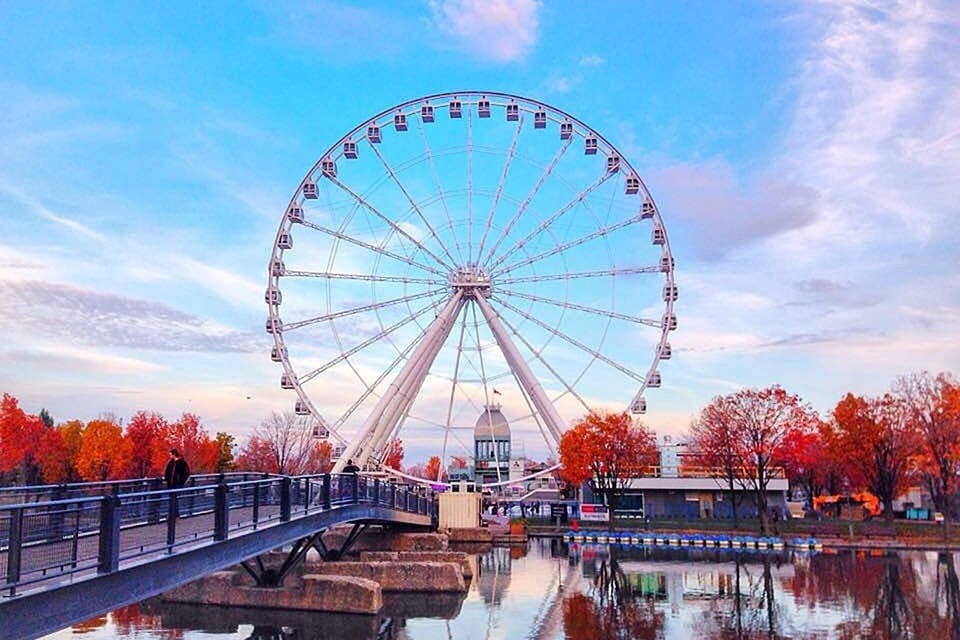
(257, 455)
(393, 455)
(20, 439)
(880, 441)
(104, 454)
(432, 470)
(145, 434)
(606, 449)
(189, 436)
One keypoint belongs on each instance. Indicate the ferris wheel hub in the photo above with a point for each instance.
(472, 279)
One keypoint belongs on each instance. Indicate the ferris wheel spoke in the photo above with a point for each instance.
(366, 343)
(469, 185)
(453, 390)
(553, 218)
(403, 189)
(393, 225)
(499, 192)
(287, 326)
(536, 353)
(560, 248)
(371, 247)
(440, 192)
(573, 341)
(579, 307)
(486, 393)
(575, 275)
(366, 277)
(526, 201)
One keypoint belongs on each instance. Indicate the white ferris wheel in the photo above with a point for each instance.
(462, 251)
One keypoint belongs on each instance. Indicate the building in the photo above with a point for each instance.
(675, 489)
(491, 446)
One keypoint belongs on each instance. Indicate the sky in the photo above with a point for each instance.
(804, 158)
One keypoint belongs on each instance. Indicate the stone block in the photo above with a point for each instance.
(476, 534)
(421, 556)
(399, 576)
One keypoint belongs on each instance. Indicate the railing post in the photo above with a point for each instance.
(221, 512)
(285, 488)
(256, 505)
(325, 492)
(354, 488)
(376, 492)
(171, 520)
(15, 547)
(108, 559)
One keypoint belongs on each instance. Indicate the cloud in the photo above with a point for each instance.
(591, 60)
(498, 30)
(39, 209)
(67, 358)
(720, 212)
(94, 318)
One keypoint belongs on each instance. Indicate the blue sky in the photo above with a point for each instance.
(804, 158)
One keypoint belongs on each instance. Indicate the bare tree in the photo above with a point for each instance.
(282, 443)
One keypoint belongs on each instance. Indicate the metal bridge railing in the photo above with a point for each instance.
(56, 539)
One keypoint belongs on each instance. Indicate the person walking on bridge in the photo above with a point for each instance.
(177, 472)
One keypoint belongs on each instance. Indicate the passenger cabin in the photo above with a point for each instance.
(647, 210)
(658, 236)
(633, 185)
(278, 354)
(566, 130)
(320, 432)
(400, 122)
(670, 292)
(277, 267)
(286, 381)
(373, 134)
(272, 296)
(285, 241)
(483, 108)
(295, 213)
(613, 164)
(328, 168)
(639, 406)
(653, 380)
(666, 262)
(350, 149)
(426, 112)
(274, 325)
(301, 408)
(513, 112)
(670, 321)
(456, 108)
(590, 145)
(310, 190)
(666, 352)
(540, 119)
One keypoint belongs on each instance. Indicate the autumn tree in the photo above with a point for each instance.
(393, 455)
(802, 455)
(20, 438)
(283, 443)
(756, 423)
(190, 437)
(606, 450)
(225, 444)
(933, 411)
(712, 446)
(104, 454)
(880, 441)
(145, 434)
(433, 470)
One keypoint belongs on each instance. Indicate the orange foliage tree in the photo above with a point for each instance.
(145, 435)
(393, 455)
(712, 446)
(606, 450)
(933, 409)
(104, 454)
(880, 442)
(190, 437)
(432, 470)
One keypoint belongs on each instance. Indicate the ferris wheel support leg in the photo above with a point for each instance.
(373, 427)
(397, 412)
(519, 366)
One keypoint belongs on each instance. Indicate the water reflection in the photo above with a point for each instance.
(553, 591)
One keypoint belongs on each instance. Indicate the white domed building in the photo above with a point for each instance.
(491, 445)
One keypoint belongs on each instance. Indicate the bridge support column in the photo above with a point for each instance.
(274, 576)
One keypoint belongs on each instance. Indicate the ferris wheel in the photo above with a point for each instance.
(468, 254)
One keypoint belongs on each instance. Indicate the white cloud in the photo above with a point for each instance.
(499, 30)
(592, 60)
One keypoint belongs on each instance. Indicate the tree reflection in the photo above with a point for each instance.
(612, 611)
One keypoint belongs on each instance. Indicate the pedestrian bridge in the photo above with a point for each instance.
(72, 552)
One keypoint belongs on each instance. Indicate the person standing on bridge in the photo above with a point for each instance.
(351, 468)
(177, 472)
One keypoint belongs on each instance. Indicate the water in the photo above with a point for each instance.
(578, 592)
